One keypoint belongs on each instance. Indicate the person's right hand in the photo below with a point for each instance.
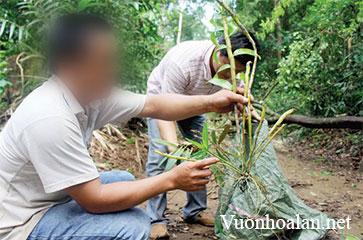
(192, 176)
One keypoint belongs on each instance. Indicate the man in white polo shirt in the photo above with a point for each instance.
(49, 185)
(186, 69)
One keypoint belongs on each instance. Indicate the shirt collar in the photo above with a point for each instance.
(69, 98)
(207, 56)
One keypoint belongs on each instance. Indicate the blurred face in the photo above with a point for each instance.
(226, 74)
(95, 72)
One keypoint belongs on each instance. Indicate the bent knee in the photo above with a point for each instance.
(125, 176)
(116, 176)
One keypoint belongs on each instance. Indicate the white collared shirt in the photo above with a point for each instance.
(185, 69)
(43, 150)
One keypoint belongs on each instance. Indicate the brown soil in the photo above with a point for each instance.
(331, 188)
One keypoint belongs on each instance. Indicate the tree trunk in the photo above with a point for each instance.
(334, 122)
(310, 122)
(278, 34)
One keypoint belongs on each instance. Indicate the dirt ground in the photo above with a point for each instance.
(335, 190)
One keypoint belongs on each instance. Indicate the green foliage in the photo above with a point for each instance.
(322, 71)
(319, 71)
(3, 82)
(23, 24)
(312, 48)
(225, 84)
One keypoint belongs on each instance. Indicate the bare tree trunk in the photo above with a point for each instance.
(334, 122)
(180, 25)
(278, 34)
(350, 122)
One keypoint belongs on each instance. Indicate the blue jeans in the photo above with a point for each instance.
(196, 201)
(69, 221)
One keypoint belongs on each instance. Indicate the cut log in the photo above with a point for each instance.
(350, 122)
(334, 122)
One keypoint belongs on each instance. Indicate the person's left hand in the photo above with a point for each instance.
(224, 101)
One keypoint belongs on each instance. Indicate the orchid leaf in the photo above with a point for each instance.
(224, 67)
(215, 57)
(246, 51)
(166, 143)
(225, 84)
(213, 39)
(195, 143)
(214, 137)
(205, 135)
(224, 133)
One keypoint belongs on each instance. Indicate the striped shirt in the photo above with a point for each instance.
(185, 69)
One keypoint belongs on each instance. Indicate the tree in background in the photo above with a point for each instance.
(22, 30)
(311, 48)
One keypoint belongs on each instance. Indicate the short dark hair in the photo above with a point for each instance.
(69, 34)
(240, 40)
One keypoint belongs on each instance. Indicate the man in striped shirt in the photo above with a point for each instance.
(186, 69)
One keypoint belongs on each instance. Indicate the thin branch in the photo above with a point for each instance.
(268, 92)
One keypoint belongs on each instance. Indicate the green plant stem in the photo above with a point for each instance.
(257, 133)
(245, 31)
(224, 162)
(278, 123)
(263, 148)
(232, 63)
(247, 77)
(175, 157)
(227, 152)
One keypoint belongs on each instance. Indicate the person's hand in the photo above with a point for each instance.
(224, 101)
(192, 176)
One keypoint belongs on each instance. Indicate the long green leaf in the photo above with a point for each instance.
(225, 84)
(170, 164)
(199, 155)
(224, 133)
(222, 46)
(162, 161)
(221, 156)
(246, 51)
(195, 143)
(213, 39)
(214, 137)
(215, 53)
(215, 57)
(172, 161)
(224, 67)
(205, 135)
(166, 143)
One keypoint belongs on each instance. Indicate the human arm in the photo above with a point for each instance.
(173, 107)
(102, 198)
(167, 132)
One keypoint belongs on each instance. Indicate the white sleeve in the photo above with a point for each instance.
(56, 149)
(120, 107)
(174, 79)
